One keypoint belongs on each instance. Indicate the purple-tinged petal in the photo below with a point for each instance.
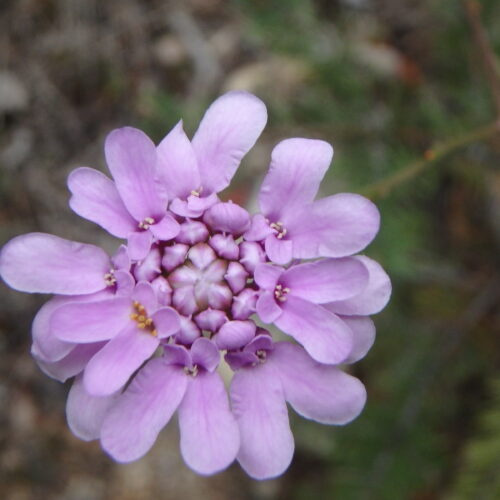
(72, 364)
(95, 198)
(251, 254)
(226, 133)
(211, 319)
(109, 370)
(236, 277)
(372, 299)
(183, 276)
(267, 276)
(166, 228)
(163, 291)
(267, 309)
(177, 164)
(326, 280)
(144, 294)
(259, 229)
(202, 203)
(244, 304)
(125, 283)
(297, 168)
(85, 413)
(259, 406)
(323, 334)
(148, 268)
(363, 330)
(188, 332)
(228, 218)
(121, 259)
(240, 359)
(201, 255)
(182, 208)
(235, 334)
(261, 342)
(216, 271)
(166, 321)
(42, 263)
(184, 300)
(192, 232)
(174, 256)
(86, 322)
(176, 355)
(133, 424)
(139, 244)
(319, 392)
(204, 353)
(209, 433)
(219, 296)
(225, 246)
(131, 158)
(279, 251)
(336, 226)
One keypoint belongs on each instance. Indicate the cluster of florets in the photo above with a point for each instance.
(144, 332)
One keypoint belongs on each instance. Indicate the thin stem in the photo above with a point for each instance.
(383, 187)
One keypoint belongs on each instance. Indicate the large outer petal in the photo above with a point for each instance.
(209, 432)
(85, 413)
(132, 426)
(372, 299)
(336, 226)
(364, 332)
(131, 157)
(323, 334)
(319, 392)
(297, 168)
(326, 280)
(42, 263)
(177, 164)
(96, 198)
(226, 133)
(259, 406)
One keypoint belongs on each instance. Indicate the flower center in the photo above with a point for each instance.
(140, 316)
(146, 223)
(197, 192)
(109, 278)
(280, 230)
(192, 372)
(281, 293)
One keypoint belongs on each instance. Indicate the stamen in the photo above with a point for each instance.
(261, 354)
(146, 223)
(278, 227)
(191, 371)
(109, 278)
(141, 318)
(281, 293)
(197, 192)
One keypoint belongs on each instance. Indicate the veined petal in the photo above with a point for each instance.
(131, 157)
(228, 218)
(84, 412)
(326, 280)
(323, 334)
(235, 334)
(96, 198)
(226, 133)
(132, 426)
(42, 263)
(209, 432)
(319, 392)
(336, 226)
(372, 299)
(297, 168)
(363, 330)
(109, 370)
(177, 164)
(259, 406)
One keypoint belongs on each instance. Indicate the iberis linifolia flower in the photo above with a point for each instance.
(197, 283)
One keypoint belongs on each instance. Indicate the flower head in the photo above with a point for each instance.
(144, 332)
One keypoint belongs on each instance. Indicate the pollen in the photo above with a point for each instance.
(140, 316)
(278, 227)
(146, 223)
(281, 293)
(197, 192)
(191, 371)
(109, 278)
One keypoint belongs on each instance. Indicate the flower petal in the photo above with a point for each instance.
(279, 251)
(235, 334)
(139, 244)
(85, 413)
(326, 280)
(259, 406)
(319, 392)
(177, 164)
(95, 197)
(267, 309)
(85, 322)
(166, 229)
(133, 424)
(372, 299)
(42, 263)
(297, 168)
(209, 433)
(166, 321)
(267, 276)
(363, 330)
(205, 354)
(109, 370)
(336, 226)
(228, 218)
(226, 133)
(323, 334)
(131, 157)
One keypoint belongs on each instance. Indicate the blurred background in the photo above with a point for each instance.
(389, 83)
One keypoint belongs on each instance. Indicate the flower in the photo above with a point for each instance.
(143, 332)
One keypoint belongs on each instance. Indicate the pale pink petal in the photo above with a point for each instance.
(177, 164)
(258, 403)
(279, 251)
(209, 432)
(131, 157)
(363, 330)
(132, 426)
(297, 168)
(227, 218)
(226, 133)
(259, 229)
(323, 334)
(42, 263)
(96, 198)
(319, 392)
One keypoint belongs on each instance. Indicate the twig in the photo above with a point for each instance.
(383, 187)
(473, 11)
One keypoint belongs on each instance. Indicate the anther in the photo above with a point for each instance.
(191, 371)
(146, 223)
(109, 278)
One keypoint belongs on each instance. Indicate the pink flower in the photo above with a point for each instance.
(143, 332)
